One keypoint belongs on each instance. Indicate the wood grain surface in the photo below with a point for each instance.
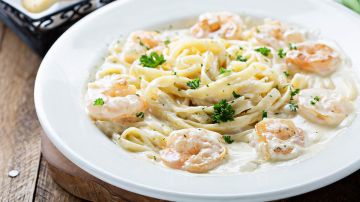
(20, 134)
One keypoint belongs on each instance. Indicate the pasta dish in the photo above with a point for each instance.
(228, 94)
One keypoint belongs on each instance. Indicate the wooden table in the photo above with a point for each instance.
(20, 135)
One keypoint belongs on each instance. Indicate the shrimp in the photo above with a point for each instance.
(314, 57)
(273, 32)
(118, 100)
(193, 150)
(221, 24)
(278, 139)
(138, 43)
(323, 106)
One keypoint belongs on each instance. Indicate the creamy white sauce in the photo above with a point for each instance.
(242, 156)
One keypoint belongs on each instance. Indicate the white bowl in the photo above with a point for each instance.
(62, 76)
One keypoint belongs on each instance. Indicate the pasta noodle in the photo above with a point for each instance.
(219, 80)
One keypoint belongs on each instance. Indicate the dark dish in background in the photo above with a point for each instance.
(40, 33)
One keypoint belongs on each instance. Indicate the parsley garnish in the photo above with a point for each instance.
(223, 112)
(228, 139)
(98, 102)
(152, 61)
(140, 115)
(286, 74)
(281, 53)
(293, 107)
(315, 100)
(263, 50)
(225, 71)
(167, 41)
(235, 94)
(194, 84)
(241, 58)
(264, 114)
(292, 46)
(293, 93)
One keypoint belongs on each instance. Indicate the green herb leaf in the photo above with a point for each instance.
(152, 61)
(281, 53)
(264, 114)
(140, 115)
(315, 100)
(228, 139)
(223, 112)
(293, 107)
(292, 46)
(98, 102)
(286, 74)
(235, 94)
(263, 50)
(225, 71)
(241, 58)
(194, 84)
(167, 42)
(293, 93)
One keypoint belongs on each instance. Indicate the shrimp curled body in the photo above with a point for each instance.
(222, 24)
(274, 33)
(138, 43)
(314, 57)
(323, 106)
(278, 139)
(120, 102)
(193, 150)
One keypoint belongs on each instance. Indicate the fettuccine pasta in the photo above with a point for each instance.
(198, 99)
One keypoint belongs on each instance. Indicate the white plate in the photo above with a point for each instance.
(65, 69)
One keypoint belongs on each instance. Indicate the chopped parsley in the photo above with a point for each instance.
(293, 93)
(235, 94)
(293, 107)
(140, 115)
(281, 53)
(98, 102)
(241, 58)
(225, 71)
(315, 100)
(167, 42)
(264, 114)
(286, 74)
(223, 112)
(228, 139)
(292, 46)
(152, 61)
(175, 73)
(194, 84)
(263, 50)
